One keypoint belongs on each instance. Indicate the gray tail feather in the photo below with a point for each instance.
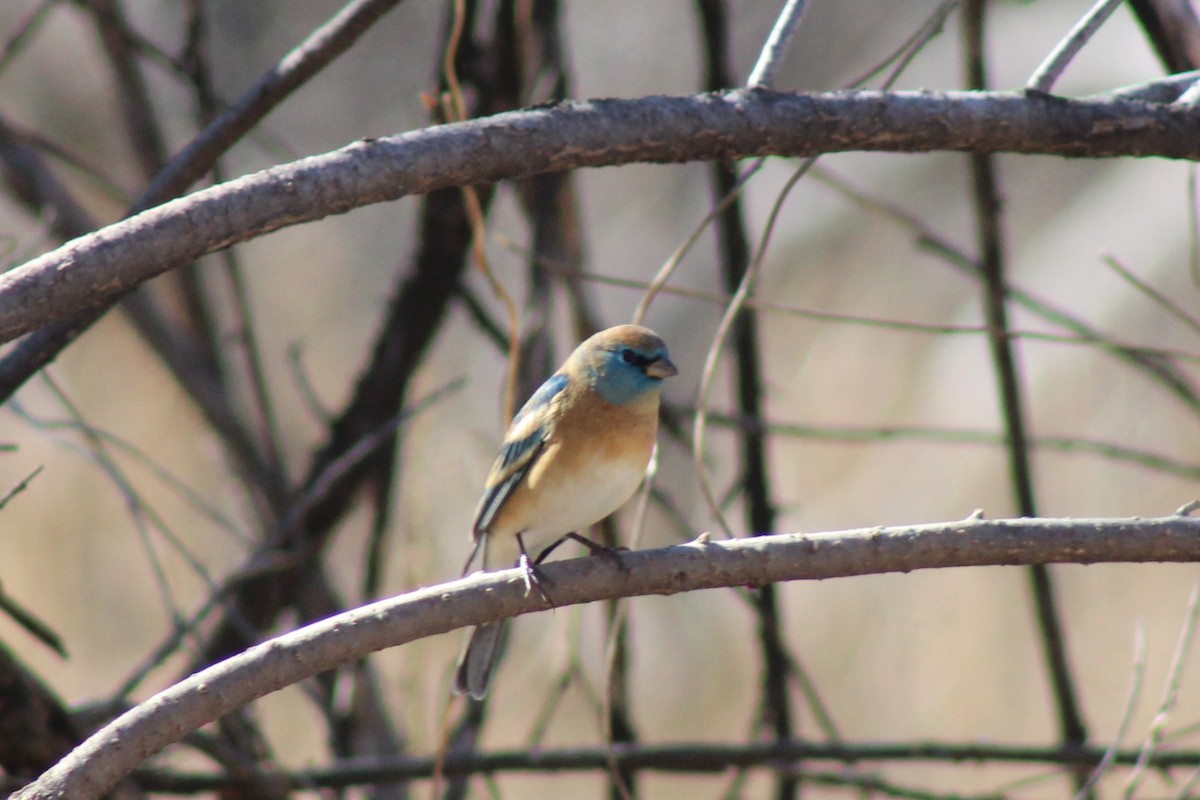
(477, 661)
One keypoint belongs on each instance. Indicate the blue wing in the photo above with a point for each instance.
(522, 445)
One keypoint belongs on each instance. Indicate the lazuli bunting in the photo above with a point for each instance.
(573, 454)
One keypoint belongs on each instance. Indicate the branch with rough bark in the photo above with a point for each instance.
(115, 750)
(98, 268)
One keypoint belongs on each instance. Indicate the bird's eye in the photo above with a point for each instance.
(628, 356)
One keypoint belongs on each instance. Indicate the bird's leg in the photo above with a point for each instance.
(594, 548)
(549, 549)
(533, 576)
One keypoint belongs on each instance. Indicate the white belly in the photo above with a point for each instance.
(575, 505)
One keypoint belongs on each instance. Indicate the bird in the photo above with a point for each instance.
(573, 454)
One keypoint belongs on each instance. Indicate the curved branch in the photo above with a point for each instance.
(115, 750)
(96, 269)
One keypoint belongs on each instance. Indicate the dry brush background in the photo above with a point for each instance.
(866, 424)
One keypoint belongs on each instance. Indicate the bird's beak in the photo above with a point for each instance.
(661, 367)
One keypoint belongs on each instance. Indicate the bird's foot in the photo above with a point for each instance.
(534, 578)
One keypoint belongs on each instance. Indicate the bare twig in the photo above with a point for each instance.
(964, 436)
(900, 325)
(769, 61)
(137, 111)
(714, 352)
(1166, 89)
(1185, 789)
(176, 484)
(295, 360)
(1161, 300)
(321, 483)
(269, 438)
(658, 284)
(903, 55)
(31, 623)
(1048, 71)
(1158, 369)
(19, 486)
(24, 31)
(1193, 212)
(455, 109)
(1135, 693)
(679, 757)
(1158, 727)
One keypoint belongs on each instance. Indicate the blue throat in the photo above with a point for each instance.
(620, 383)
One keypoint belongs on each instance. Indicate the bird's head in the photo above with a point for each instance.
(624, 363)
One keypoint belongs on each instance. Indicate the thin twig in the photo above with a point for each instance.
(658, 283)
(1161, 300)
(270, 438)
(1193, 212)
(901, 325)
(1146, 362)
(144, 517)
(304, 386)
(1048, 71)
(32, 625)
(137, 111)
(319, 49)
(1185, 789)
(318, 488)
(1173, 30)
(679, 757)
(1131, 703)
(771, 58)
(20, 486)
(172, 481)
(350, 775)
(714, 352)
(24, 32)
(965, 436)
(910, 47)
(1158, 726)
(820, 709)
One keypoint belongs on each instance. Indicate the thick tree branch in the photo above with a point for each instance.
(96, 765)
(97, 268)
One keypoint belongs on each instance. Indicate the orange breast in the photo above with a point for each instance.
(593, 461)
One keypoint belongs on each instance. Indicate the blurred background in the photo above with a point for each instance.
(142, 508)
